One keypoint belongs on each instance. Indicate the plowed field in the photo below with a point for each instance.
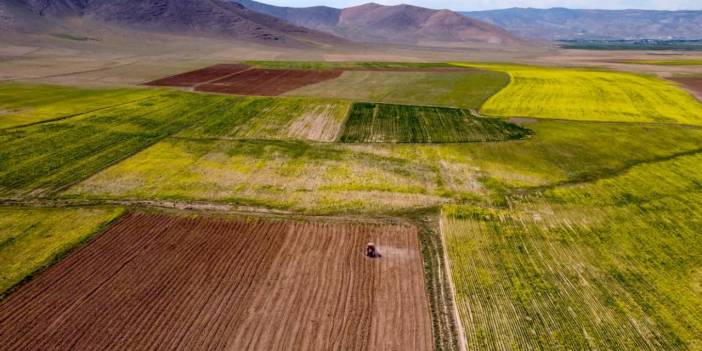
(199, 76)
(160, 282)
(693, 84)
(267, 82)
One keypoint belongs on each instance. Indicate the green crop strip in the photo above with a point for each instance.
(383, 123)
(41, 159)
(612, 264)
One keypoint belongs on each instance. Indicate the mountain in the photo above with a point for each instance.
(191, 17)
(563, 24)
(389, 24)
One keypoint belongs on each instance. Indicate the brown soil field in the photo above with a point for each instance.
(267, 82)
(694, 84)
(185, 283)
(189, 79)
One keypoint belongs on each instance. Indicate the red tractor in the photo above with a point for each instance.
(372, 251)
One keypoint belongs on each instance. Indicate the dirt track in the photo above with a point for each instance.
(267, 82)
(159, 282)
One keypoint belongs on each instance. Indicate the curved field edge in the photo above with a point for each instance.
(386, 123)
(589, 95)
(609, 264)
(32, 239)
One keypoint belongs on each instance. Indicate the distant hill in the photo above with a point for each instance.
(382, 24)
(192, 17)
(567, 24)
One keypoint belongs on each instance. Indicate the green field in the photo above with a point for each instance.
(570, 216)
(32, 238)
(383, 123)
(344, 65)
(26, 104)
(41, 159)
(339, 178)
(274, 118)
(611, 264)
(591, 95)
(453, 89)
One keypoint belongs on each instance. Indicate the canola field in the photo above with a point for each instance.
(590, 95)
(612, 264)
(33, 238)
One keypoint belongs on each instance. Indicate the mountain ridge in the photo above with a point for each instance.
(220, 18)
(560, 23)
(406, 24)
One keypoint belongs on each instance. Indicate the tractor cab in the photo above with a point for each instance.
(372, 251)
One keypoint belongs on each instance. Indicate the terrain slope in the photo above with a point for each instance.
(397, 24)
(218, 18)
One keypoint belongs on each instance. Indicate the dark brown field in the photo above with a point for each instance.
(173, 283)
(189, 79)
(267, 82)
(693, 84)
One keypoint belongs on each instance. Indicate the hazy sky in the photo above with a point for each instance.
(469, 5)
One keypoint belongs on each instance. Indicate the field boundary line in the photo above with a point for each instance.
(203, 208)
(612, 174)
(447, 263)
(92, 236)
(341, 131)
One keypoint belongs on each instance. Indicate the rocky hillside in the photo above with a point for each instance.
(398, 24)
(191, 17)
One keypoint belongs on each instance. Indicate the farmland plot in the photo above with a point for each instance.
(274, 118)
(591, 95)
(159, 282)
(612, 264)
(464, 89)
(32, 238)
(382, 123)
(692, 83)
(346, 65)
(22, 104)
(333, 178)
(41, 159)
(288, 175)
(200, 76)
(267, 82)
